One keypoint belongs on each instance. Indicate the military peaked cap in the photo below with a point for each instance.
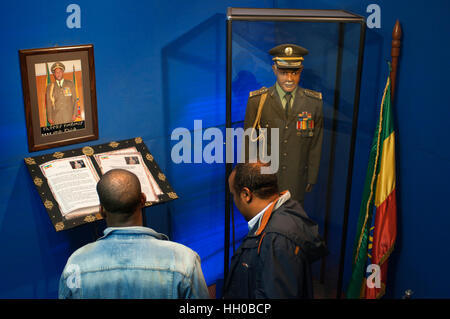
(288, 56)
(58, 65)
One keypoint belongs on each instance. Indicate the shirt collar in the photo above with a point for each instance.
(257, 219)
(282, 93)
(60, 83)
(133, 230)
(252, 222)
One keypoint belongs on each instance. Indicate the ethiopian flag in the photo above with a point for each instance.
(77, 95)
(377, 223)
(49, 81)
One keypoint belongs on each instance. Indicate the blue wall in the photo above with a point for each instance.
(160, 65)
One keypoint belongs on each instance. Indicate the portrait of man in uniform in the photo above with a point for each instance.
(60, 97)
(59, 86)
(297, 113)
(77, 164)
(131, 160)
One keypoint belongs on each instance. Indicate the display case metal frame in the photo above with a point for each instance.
(341, 17)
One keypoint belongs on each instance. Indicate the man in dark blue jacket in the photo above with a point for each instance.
(274, 260)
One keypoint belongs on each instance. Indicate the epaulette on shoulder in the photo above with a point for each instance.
(313, 94)
(258, 92)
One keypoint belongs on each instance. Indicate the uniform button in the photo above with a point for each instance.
(284, 154)
(285, 141)
(286, 127)
(283, 168)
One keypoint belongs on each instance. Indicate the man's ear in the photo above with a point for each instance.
(274, 69)
(246, 195)
(143, 199)
(102, 212)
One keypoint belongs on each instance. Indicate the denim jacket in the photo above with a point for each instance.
(133, 262)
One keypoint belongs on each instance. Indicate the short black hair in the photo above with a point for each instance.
(249, 175)
(119, 192)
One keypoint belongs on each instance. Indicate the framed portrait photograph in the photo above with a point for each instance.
(59, 95)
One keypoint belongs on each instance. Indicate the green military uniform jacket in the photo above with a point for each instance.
(300, 135)
(61, 102)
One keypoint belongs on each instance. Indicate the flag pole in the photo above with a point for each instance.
(355, 285)
(395, 53)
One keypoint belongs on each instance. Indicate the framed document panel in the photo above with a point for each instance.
(59, 95)
(67, 181)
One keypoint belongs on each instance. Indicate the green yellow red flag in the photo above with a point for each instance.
(77, 95)
(377, 223)
(49, 81)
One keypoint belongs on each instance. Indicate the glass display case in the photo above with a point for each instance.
(335, 41)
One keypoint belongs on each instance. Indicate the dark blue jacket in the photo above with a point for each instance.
(274, 260)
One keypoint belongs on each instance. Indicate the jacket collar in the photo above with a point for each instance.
(276, 101)
(134, 230)
(284, 197)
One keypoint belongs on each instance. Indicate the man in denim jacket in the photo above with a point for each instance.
(130, 261)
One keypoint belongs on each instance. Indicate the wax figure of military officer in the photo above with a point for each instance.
(297, 112)
(61, 97)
